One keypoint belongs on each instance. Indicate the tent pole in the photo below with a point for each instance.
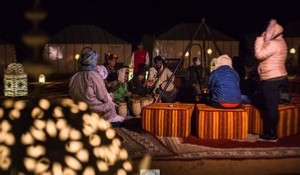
(183, 55)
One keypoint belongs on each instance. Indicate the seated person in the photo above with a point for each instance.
(137, 84)
(120, 87)
(223, 85)
(110, 65)
(158, 78)
(194, 77)
(87, 86)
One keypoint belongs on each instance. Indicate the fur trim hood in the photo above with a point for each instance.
(273, 30)
(222, 61)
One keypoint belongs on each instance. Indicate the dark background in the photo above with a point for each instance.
(131, 19)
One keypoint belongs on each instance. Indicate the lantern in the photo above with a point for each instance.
(130, 71)
(42, 78)
(15, 80)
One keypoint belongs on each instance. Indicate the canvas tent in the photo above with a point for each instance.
(291, 35)
(61, 49)
(173, 42)
(7, 54)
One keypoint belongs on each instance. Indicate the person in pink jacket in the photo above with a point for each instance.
(271, 52)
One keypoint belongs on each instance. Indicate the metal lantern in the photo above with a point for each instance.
(15, 80)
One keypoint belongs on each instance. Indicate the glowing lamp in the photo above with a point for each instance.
(292, 51)
(187, 54)
(209, 51)
(42, 78)
(77, 56)
(15, 80)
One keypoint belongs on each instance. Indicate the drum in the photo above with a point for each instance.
(135, 107)
(122, 108)
(169, 88)
(144, 102)
(150, 99)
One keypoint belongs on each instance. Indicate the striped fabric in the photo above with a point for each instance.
(255, 122)
(289, 120)
(214, 123)
(168, 119)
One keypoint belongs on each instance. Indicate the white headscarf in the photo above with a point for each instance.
(102, 71)
(121, 74)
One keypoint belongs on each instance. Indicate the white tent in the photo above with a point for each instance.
(60, 51)
(7, 54)
(172, 43)
(291, 35)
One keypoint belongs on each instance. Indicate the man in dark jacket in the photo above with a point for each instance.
(194, 77)
(224, 85)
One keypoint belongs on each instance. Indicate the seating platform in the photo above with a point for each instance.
(215, 123)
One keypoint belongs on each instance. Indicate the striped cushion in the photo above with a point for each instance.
(289, 120)
(168, 119)
(215, 123)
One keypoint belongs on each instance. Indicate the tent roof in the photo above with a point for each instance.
(3, 41)
(292, 29)
(185, 31)
(85, 34)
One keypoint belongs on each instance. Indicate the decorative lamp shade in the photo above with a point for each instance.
(15, 80)
(42, 137)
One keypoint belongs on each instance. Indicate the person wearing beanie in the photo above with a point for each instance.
(159, 75)
(271, 52)
(194, 77)
(120, 86)
(110, 65)
(140, 57)
(224, 85)
(87, 86)
(137, 84)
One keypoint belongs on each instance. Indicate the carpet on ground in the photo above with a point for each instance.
(138, 143)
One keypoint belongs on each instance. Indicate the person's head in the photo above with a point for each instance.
(140, 46)
(222, 61)
(123, 75)
(88, 59)
(141, 74)
(196, 61)
(111, 59)
(159, 61)
(273, 30)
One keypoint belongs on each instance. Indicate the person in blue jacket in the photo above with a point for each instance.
(224, 85)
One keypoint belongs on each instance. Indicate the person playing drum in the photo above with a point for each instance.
(120, 86)
(137, 84)
(159, 75)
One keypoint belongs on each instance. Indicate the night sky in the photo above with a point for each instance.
(129, 20)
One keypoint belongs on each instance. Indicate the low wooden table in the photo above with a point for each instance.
(168, 119)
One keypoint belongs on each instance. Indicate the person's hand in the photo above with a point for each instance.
(127, 94)
(135, 95)
(110, 84)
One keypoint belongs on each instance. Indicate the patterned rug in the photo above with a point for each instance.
(138, 144)
(193, 148)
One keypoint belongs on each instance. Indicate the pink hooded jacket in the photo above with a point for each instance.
(271, 51)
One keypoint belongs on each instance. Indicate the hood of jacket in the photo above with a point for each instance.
(223, 60)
